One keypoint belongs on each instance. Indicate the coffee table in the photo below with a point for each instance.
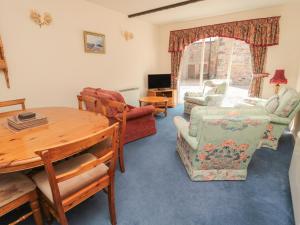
(160, 103)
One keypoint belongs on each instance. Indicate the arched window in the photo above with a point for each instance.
(216, 58)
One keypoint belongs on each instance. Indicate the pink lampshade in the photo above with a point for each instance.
(279, 78)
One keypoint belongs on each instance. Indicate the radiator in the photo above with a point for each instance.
(131, 95)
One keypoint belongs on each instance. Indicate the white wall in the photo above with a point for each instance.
(48, 65)
(285, 56)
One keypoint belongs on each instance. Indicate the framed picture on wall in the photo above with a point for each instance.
(94, 42)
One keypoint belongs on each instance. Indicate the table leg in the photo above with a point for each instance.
(166, 109)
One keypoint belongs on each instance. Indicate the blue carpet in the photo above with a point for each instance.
(156, 190)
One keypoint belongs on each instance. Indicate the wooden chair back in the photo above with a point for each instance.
(120, 114)
(60, 152)
(87, 102)
(20, 102)
(105, 107)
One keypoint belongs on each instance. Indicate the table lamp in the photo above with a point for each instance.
(278, 79)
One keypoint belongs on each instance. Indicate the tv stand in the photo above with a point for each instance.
(169, 93)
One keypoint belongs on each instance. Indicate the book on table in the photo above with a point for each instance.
(19, 124)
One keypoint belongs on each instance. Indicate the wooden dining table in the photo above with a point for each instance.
(17, 149)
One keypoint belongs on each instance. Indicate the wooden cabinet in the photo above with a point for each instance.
(171, 94)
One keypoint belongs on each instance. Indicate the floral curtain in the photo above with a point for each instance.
(175, 61)
(258, 54)
(261, 32)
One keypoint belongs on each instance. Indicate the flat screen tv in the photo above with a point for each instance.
(159, 81)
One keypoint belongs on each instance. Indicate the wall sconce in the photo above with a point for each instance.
(39, 19)
(127, 35)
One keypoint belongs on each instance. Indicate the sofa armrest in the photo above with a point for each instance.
(140, 112)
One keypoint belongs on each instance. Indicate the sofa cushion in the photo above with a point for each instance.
(221, 89)
(288, 102)
(272, 104)
(74, 184)
(13, 186)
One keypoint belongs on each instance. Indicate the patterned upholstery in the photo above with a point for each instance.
(74, 184)
(140, 120)
(212, 95)
(222, 144)
(289, 105)
(13, 186)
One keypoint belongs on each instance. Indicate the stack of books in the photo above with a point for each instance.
(19, 122)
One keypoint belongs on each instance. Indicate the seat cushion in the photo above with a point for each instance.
(13, 186)
(272, 104)
(197, 100)
(74, 184)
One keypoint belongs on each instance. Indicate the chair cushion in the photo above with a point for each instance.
(288, 103)
(197, 100)
(13, 186)
(209, 90)
(74, 184)
(272, 104)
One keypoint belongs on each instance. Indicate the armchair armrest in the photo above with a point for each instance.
(183, 129)
(193, 94)
(255, 101)
(279, 120)
(140, 112)
(214, 99)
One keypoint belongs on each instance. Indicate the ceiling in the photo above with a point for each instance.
(207, 8)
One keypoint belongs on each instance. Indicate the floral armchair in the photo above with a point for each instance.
(212, 94)
(281, 109)
(218, 143)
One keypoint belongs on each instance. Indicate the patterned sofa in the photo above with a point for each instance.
(218, 143)
(140, 121)
(212, 95)
(281, 110)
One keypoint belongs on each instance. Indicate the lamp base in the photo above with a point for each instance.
(277, 87)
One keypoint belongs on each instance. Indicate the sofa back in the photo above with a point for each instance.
(228, 137)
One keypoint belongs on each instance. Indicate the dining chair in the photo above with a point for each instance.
(79, 176)
(116, 112)
(16, 190)
(14, 102)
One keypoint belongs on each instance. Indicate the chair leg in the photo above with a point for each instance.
(46, 212)
(62, 218)
(111, 202)
(35, 207)
(121, 158)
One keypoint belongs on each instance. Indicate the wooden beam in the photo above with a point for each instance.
(164, 8)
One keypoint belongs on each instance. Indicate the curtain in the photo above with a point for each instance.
(258, 33)
(175, 65)
(258, 54)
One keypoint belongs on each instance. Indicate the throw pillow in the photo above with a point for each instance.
(288, 103)
(272, 104)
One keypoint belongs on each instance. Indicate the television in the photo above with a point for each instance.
(159, 81)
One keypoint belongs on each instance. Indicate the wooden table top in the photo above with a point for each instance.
(153, 99)
(17, 151)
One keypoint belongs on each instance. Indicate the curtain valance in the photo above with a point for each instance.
(256, 32)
